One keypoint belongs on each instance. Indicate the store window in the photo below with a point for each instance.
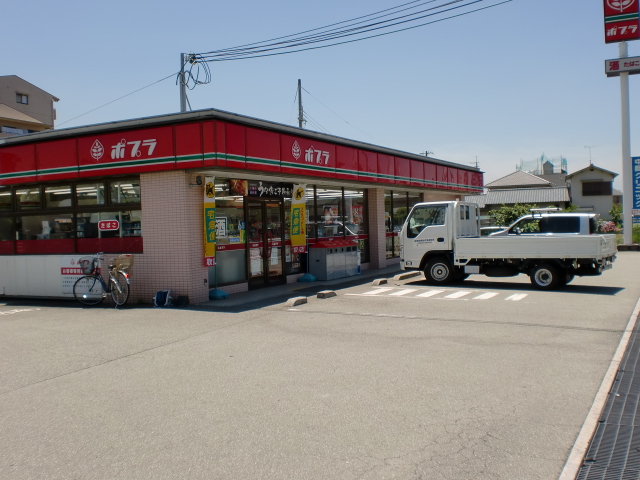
(5, 199)
(58, 196)
(91, 193)
(230, 236)
(329, 213)
(356, 227)
(28, 198)
(396, 208)
(125, 191)
(71, 218)
(115, 231)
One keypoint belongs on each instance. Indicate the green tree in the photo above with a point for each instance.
(571, 208)
(616, 214)
(507, 214)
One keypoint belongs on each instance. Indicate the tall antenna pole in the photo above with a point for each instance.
(300, 112)
(183, 87)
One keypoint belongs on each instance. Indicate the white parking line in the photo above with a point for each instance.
(430, 293)
(457, 294)
(517, 297)
(377, 291)
(402, 292)
(485, 296)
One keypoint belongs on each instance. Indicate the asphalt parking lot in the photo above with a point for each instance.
(483, 380)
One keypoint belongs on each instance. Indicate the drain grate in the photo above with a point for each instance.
(614, 452)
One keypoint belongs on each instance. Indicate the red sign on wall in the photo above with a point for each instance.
(621, 20)
(108, 225)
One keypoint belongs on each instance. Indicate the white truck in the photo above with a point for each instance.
(442, 239)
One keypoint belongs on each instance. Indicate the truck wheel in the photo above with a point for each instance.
(438, 271)
(546, 276)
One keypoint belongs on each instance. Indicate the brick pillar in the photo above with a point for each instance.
(377, 237)
(172, 228)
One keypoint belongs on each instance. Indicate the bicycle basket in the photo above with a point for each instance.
(87, 264)
(125, 263)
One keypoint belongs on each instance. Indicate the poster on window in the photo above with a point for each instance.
(298, 233)
(209, 204)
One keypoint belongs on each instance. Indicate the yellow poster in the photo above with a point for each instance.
(209, 221)
(298, 233)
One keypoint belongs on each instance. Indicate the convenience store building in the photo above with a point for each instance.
(137, 186)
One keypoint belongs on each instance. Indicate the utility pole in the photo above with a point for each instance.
(300, 111)
(183, 87)
(627, 167)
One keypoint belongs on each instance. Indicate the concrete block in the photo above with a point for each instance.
(327, 294)
(295, 301)
(404, 276)
(379, 281)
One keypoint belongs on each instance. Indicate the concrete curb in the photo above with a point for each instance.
(295, 301)
(404, 276)
(379, 281)
(327, 294)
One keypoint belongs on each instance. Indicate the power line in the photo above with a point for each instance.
(120, 98)
(262, 51)
(353, 126)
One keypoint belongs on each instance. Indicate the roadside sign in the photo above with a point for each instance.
(635, 161)
(615, 66)
(621, 20)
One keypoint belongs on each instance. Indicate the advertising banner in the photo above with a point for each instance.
(209, 205)
(635, 161)
(298, 234)
(621, 20)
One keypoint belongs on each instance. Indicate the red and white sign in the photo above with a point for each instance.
(621, 20)
(108, 225)
(615, 66)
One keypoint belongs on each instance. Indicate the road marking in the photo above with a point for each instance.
(517, 297)
(457, 294)
(485, 296)
(377, 291)
(403, 292)
(430, 293)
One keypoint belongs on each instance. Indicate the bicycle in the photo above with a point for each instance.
(91, 288)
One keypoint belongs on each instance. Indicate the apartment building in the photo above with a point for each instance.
(24, 108)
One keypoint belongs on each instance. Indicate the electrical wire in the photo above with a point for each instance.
(353, 126)
(242, 47)
(264, 50)
(120, 98)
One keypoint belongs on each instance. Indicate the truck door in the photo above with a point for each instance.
(428, 228)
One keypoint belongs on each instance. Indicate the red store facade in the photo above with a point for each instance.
(63, 192)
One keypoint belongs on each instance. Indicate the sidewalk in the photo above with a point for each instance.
(280, 293)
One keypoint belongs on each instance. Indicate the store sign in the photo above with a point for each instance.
(108, 225)
(614, 67)
(298, 231)
(258, 188)
(210, 226)
(635, 161)
(621, 20)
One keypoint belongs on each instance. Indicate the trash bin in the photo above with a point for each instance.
(332, 259)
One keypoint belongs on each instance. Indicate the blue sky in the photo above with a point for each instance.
(503, 85)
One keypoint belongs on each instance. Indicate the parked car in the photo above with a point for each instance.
(547, 223)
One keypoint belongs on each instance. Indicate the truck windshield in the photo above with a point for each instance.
(425, 216)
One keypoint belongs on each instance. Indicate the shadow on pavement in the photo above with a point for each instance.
(493, 285)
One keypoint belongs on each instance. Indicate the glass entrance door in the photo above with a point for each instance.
(265, 237)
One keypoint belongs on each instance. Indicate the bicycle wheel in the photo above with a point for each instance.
(88, 290)
(119, 287)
